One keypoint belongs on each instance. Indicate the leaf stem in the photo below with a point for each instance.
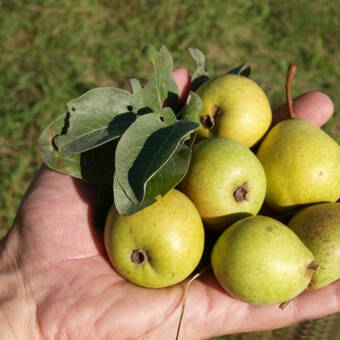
(290, 74)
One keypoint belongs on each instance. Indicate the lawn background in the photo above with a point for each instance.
(54, 50)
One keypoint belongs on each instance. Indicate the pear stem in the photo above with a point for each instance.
(291, 72)
(313, 266)
(209, 121)
(283, 305)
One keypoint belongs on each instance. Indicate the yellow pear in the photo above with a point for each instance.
(158, 246)
(302, 165)
(234, 106)
(225, 181)
(261, 261)
(300, 160)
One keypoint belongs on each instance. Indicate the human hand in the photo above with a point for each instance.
(56, 281)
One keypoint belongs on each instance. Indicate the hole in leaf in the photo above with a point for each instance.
(62, 132)
(73, 109)
(66, 123)
(54, 145)
(161, 118)
(130, 108)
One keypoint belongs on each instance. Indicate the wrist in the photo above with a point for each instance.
(17, 309)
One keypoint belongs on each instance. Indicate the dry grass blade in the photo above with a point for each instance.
(184, 298)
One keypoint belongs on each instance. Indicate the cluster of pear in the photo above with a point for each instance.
(255, 258)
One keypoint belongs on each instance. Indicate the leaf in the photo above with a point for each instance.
(168, 115)
(200, 75)
(199, 57)
(162, 182)
(94, 166)
(243, 70)
(191, 141)
(161, 84)
(98, 165)
(193, 106)
(122, 202)
(136, 86)
(191, 111)
(65, 163)
(144, 149)
(95, 118)
(150, 52)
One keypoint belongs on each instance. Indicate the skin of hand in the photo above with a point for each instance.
(57, 283)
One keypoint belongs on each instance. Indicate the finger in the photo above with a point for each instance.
(314, 106)
(308, 305)
(213, 312)
(182, 78)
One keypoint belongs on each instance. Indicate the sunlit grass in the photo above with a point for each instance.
(52, 51)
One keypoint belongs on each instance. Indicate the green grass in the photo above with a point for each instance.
(52, 51)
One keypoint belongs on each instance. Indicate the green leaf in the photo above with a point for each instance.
(144, 149)
(162, 182)
(65, 163)
(161, 84)
(200, 75)
(151, 52)
(243, 70)
(94, 166)
(136, 86)
(192, 108)
(96, 117)
(98, 165)
(168, 115)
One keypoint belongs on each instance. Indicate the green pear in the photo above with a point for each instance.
(301, 163)
(261, 261)
(158, 246)
(234, 106)
(225, 181)
(318, 227)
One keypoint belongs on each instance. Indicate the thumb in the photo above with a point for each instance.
(314, 106)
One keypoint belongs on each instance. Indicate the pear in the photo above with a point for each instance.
(318, 227)
(234, 106)
(225, 181)
(261, 261)
(301, 163)
(158, 246)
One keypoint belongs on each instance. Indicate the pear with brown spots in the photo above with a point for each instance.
(261, 261)
(318, 227)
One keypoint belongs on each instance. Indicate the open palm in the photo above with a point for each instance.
(63, 286)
